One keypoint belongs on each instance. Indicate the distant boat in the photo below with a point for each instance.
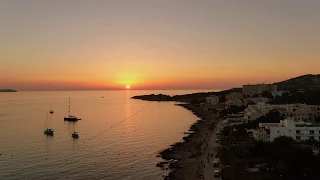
(51, 111)
(75, 135)
(70, 118)
(48, 131)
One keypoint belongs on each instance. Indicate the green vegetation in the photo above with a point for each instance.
(306, 82)
(232, 110)
(281, 159)
(267, 94)
(201, 95)
(194, 98)
(311, 97)
(197, 101)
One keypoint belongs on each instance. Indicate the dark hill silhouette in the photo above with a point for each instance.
(307, 82)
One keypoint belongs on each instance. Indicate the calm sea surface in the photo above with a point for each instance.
(119, 137)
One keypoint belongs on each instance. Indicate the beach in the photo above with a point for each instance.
(197, 150)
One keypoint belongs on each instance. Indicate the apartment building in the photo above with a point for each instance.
(300, 112)
(298, 130)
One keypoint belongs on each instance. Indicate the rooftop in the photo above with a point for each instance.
(310, 125)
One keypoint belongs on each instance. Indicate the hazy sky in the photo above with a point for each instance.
(156, 44)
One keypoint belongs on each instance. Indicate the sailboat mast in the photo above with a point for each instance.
(46, 124)
(69, 108)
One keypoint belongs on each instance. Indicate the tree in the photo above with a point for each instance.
(271, 117)
(194, 101)
(222, 98)
(267, 94)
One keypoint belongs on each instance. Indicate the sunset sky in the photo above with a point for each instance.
(156, 44)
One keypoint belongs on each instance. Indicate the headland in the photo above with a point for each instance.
(7, 90)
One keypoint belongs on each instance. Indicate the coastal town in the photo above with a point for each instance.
(259, 131)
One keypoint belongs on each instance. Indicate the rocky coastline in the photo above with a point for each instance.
(187, 153)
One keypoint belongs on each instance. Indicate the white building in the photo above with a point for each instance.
(303, 112)
(300, 112)
(212, 100)
(253, 112)
(297, 130)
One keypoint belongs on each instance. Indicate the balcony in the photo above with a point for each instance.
(306, 134)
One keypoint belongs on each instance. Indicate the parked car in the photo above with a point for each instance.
(216, 162)
(217, 173)
(217, 140)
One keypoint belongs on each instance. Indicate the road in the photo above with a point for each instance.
(212, 148)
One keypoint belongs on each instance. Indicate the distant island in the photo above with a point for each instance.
(7, 90)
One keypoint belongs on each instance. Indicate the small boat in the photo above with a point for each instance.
(75, 135)
(51, 111)
(48, 131)
(69, 117)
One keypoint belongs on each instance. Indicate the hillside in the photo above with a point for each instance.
(185, 97)
(308, 81)
(7, 90)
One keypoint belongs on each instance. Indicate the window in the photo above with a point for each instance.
(298, 137)
(311, 137)
(312, 132)
(298, 131)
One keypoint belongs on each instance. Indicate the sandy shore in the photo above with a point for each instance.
(188, 153)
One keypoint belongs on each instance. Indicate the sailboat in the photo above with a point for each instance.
(51, 111)
(48, 131)
(70, 118)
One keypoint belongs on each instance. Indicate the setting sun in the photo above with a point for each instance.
(128, 86)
